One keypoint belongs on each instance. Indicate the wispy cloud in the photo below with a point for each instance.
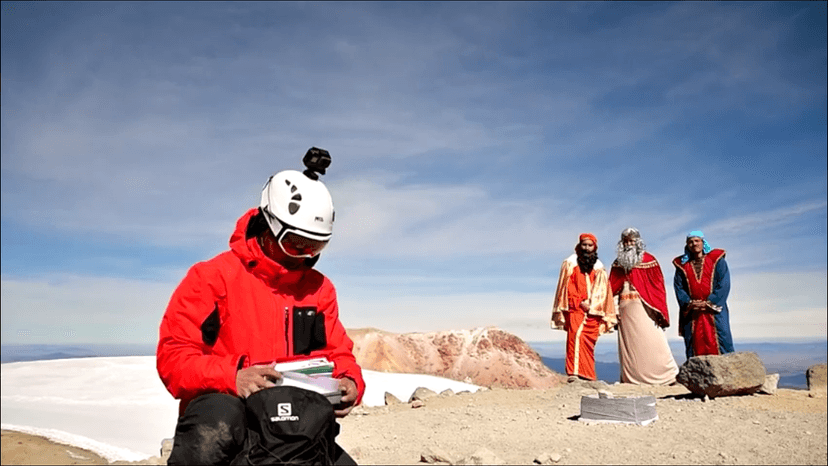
(762, 221)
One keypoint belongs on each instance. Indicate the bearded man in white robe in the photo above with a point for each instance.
(638, 284)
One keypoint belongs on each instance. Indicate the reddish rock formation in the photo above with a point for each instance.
(483, 356)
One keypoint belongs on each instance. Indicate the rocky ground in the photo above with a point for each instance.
(526, 426)
(511, 426)
(19, 448)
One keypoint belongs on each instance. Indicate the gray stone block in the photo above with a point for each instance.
(635, 410)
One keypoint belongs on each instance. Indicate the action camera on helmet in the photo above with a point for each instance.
(317, 160)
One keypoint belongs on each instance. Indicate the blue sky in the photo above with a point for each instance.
(471, 145)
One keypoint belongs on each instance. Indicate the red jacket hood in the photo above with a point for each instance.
(251, 254)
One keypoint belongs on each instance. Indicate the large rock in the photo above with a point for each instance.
(816, 375)
(723, 375)
(487, 356)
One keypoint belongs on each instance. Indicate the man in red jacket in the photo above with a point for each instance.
(232, 317)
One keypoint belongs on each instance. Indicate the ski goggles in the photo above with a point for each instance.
(293, 241)
(294, 244)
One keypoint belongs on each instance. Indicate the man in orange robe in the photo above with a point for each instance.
(583, 307)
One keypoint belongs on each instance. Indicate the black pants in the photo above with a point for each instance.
(212, 430)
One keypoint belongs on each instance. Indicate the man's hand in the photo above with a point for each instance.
(696, 306)
(255, 378)
(349, 395)
(585, 305)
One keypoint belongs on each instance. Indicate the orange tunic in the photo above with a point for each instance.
(599, 297)
(576, 287)
(582, 328)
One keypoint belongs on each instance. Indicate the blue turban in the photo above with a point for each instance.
(695, 234)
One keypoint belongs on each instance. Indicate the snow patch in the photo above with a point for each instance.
(118, 408)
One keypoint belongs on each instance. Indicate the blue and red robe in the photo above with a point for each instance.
(707, 332)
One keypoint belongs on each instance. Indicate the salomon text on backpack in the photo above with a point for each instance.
(288, 425)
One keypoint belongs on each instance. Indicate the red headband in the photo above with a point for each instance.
(588, 236)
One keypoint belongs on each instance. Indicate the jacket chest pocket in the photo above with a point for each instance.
(308, 330)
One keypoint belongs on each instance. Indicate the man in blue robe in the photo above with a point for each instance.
(702, 283)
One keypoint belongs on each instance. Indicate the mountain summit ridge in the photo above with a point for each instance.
(486, 356)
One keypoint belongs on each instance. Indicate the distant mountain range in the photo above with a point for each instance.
(790, 359)
(16, 353)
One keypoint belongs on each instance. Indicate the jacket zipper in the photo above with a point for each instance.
(287, 330)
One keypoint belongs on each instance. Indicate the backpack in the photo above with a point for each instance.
(288, 425)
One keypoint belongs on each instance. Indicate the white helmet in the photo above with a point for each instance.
(299, 211)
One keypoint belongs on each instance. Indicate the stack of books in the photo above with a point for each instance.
(311, 374)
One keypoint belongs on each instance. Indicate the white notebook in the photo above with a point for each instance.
(324, 385)
(320, 366)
